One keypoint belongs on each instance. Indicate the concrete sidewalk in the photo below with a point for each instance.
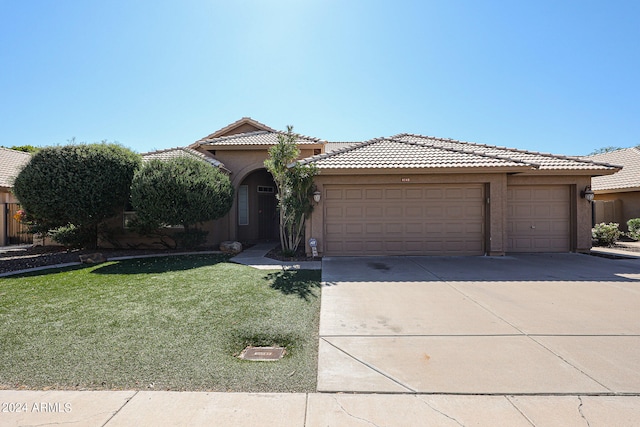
(156, 408)
(255, 257)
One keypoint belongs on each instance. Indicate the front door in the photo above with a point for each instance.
(267, 217)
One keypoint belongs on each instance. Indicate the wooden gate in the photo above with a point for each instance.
(16, 231)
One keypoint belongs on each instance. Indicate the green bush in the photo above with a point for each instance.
(606, 234)
(191, 238)
(634, 228)
(69, 235)
(79, 184)
(183, 191)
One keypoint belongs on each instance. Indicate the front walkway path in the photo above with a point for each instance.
(255, 257)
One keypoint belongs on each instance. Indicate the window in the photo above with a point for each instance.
(243, 205)
(263, 189)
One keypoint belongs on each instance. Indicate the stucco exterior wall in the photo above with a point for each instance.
(630, 207)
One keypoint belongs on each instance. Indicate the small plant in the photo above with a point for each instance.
(634, 228)
(69, 236)
(606, 234)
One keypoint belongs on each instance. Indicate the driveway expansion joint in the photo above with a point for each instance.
(373, 368)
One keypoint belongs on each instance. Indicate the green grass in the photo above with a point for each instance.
(167, 323)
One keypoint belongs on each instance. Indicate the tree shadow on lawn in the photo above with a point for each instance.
(160, 264)
(297, 282)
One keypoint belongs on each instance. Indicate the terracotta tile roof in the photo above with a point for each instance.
(627, 179)
(416, 151)
(543, 161)
(11, 163)
(387, 153)
(333, 146)
(238, 123)
(255, 138)
(172, 153)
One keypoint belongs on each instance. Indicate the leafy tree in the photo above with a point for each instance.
(604, 150)
(26, 148)
(78, 185)
(182, 191)
(294, 182)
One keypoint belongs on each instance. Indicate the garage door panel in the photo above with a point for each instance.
(353, 228)
(373, 194)
(393, 193)
(538, 219)
(393, 211)
(414, 212)
(373, 211)
(415, 193)
(393, 228)
(353, 212)
(407, 219)
(454, 193)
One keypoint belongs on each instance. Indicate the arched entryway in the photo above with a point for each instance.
(257, 208)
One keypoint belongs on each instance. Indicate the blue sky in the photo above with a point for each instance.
(552, 76)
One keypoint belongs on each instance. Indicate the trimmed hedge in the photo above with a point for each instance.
(78, 184)
(181, 191)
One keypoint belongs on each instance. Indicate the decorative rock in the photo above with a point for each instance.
(92, 258)
(229, 247)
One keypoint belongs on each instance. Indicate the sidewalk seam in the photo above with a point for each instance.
(121, 408)
(518, 409)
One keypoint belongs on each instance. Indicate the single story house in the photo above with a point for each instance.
(11, 231)
(407, 194)
(617, 196)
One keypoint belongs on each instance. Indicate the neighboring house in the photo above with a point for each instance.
(410, 195)
(617, 196)
(11, 162)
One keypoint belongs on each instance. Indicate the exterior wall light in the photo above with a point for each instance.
(316, 196)
(587, 194)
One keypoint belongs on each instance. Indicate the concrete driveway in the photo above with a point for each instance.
(526, 324)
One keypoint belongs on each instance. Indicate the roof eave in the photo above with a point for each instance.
(616, 190)
(423, 171)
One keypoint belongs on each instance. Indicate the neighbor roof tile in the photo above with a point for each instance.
(11, 163)
(627, 178)
(173, 153)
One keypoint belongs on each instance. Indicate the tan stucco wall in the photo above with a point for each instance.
(630, 206)
(496, 192)
(241, 163)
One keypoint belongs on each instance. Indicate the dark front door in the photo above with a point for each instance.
(267, 217)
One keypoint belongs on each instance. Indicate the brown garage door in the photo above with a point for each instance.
(538, 218)
(404, 220)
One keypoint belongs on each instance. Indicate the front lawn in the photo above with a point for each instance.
(166, 323)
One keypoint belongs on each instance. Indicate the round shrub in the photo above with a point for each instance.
(606, 234)
(181, 191)
(77, 184)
